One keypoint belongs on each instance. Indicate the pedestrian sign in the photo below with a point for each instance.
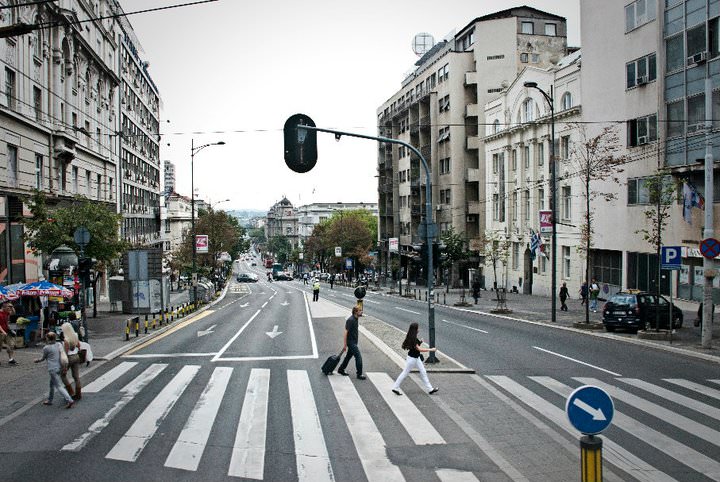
(590, 409)
(670, 257)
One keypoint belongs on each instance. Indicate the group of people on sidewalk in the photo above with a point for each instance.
(63, 357)
(412, 343)
(593, 292)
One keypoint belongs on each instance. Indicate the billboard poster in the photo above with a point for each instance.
(202, 243)
(546, 221)
(393, 245)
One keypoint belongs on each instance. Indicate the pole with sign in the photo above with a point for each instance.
(590, 410)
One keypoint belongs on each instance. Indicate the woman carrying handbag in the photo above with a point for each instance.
(71, 344)
(53, 353)
(414, 360)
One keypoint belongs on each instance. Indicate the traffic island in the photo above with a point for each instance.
(593, 325)
(661, 335)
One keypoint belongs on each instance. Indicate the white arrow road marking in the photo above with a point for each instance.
(409, 311)
(597, 413)
(274, 333)
(284, 303)
(206, 332)
(245, 305)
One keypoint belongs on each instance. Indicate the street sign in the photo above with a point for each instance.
(202, 243)
(670, 257)
(545, 221)
(393, 245)
(338, 251)
(348, 263)
(81, 237)
(589, 409)
(710, 247)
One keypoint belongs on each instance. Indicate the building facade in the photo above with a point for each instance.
(59, 116)
(310, 215)
(438, 111)
(169, 177)
(179, 220)
(282, 220)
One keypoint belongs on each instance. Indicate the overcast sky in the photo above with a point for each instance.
(235, 70)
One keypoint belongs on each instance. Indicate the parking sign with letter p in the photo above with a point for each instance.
(670, 257)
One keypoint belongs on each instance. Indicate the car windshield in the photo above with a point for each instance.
(623, 299)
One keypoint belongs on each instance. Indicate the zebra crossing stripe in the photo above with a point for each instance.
(190, 445)
(369, 443)
(108, 377)
(248, 453)
(613, 452)
(129, 391)
(417, 426)
(668, 416)
(450, 475)
(696, 387)
(688, 402)
(311, 455)
(673, 448)
(129, 447)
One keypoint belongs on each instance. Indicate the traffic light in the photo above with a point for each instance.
(84, 267)
(300, 144)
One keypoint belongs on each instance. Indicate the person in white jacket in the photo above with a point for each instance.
(414, 360)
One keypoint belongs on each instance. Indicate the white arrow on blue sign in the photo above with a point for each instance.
(670, 257)
(590, 409)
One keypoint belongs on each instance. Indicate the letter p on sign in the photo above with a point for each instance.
(670, 257)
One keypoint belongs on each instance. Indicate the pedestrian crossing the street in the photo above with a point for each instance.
(689, 408)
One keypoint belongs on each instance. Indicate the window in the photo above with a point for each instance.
(496, 208)
(38, 171)
(10, 88)
(524, 58)
(714, 41)
(444, 103)
(535, 58)
(566, 261)
(641, 71)
(526, 205)
(606, 266)
(495, 163)
(528, 110)
(540, 153)
(696, 42)
(443, 73)
(444, 134)
(98, 192)
(566, 203)
(496, 126)
(12, 165)
(445, 166)
(445, 196)
(551, 29)
(639, 13)
(642, 130)
(542, 262)
(637, 192)
(110, 189)
(526, 150)
(674, 53)
(514, 160)
(75, 180)
(37, 103)
(695, 113)
(541, 199)
(514, 206)
(565, 147)
(527, 28)
(516, 256)
(87, 183)
(676, 119)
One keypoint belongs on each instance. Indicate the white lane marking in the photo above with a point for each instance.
(170, 355)
(716, 381)
(310, 327)
(206, 332)
(248, 453)
(613, 453)
(108, 378)
(130, 391)
(696, 387)
(311, 455)
(668, 416)
(577, 361)
(682, 400)
(465, 326)
(231, 340)
(452, 475)
(369, 443)
(129, 447)
(266, 358)
(371, 301)
(409, 311)
(673, 448)
(417, 426)
(264, 305)
(190, 445)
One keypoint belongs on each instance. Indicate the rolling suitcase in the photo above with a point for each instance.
(330, 364)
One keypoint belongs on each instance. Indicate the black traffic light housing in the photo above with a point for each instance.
(85, 265)
(300, 144)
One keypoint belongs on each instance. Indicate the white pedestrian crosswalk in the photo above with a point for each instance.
(689, 407)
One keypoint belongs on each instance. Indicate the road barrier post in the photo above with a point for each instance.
(146, 324)
(137, 326)
(127, 329)
(591, 459)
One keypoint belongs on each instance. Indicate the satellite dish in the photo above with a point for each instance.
(422, 43)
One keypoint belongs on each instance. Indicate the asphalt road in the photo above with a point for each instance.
(235, 393)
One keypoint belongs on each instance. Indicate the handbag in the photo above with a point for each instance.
(64, 362)
(82, 355)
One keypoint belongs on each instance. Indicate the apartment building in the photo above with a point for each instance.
(58, 115)
(439, 109)
(310, 215)
(139, 145)
(518, 154)
(644, 67)
(169, 177)
(179, 220)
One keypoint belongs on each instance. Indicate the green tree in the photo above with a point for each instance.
(496, 249)
(49, 228)
(280, 246)
(455, 250)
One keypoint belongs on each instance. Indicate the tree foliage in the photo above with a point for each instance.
(354, 231)
(49, 228)
(496, 247)
(661, 191)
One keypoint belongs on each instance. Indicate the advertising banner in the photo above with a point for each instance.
(546, 221)
(393, 245)
(202, 243)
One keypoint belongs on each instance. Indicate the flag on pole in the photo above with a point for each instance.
(691, 199)
(535, 243)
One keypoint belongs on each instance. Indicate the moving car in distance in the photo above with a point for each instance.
(282, 276)
(247, 278)
(639, 310)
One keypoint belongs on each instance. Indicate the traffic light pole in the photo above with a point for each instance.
(429, 225)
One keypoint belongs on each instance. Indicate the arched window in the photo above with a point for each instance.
(496, 126)
(528, 110)
(566, 101)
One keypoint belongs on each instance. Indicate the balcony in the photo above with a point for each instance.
(471, 78)
(473, 142)
(414, 129)
(473, 207)
(425, 123)
(472, 175)
(472, 110)
(425, 151)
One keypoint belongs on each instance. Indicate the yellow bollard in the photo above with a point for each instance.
(591, 459)
(137, 326)
(127, 330)
(154, 321)
(146, 324)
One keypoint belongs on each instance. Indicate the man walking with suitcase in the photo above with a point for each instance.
(351, 344)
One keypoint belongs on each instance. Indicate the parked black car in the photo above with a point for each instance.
(282, 276)
(639, 310)
(247, 278)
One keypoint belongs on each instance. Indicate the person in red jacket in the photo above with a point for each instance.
(5, 337)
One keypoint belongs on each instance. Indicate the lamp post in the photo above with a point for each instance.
(553, 197)
(193, 151)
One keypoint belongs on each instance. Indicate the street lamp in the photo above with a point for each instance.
(212, 205)
(553, 197)
(194, 150)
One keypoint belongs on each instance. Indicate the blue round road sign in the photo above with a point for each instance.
(710, 247)
(590, 409)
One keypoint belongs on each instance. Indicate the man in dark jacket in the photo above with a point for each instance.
(351, 344)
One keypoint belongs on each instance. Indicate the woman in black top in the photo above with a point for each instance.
(414, 360)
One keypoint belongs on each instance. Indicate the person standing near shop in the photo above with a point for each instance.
(583, 293)
(564, 295)
(316, 289)
(5, 335)
(351, 344)
(414, 360)
(594, 294)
